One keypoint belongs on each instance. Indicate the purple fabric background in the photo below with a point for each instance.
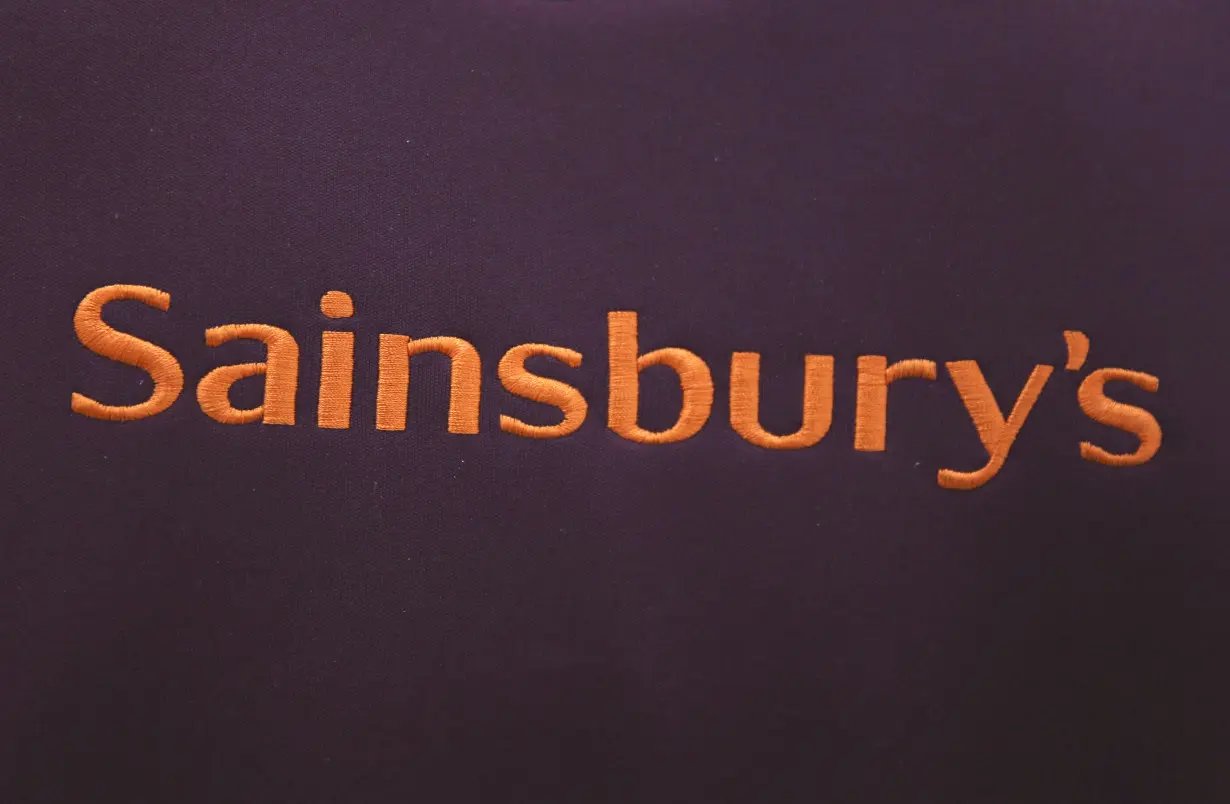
(192, 612)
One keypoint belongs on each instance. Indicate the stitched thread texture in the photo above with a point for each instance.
(871, 411)
(393, 384)
(281, 370)
(517, 380)
(281, 367)
(625, 368)
(996, 434)
(102, 340)
(1139, 422)
(336, 304)
(745, 402)
(336, 379)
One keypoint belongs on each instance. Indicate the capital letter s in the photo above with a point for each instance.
(102, 340)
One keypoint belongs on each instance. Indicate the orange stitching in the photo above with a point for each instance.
(1103, 410)
(1078, 349)
(213, 394)
(336, 379)
(102, 340)
(337, 369)
(522, 383)
(871, 408)
(393, 384)
(745, 402)
(910, 368)
(281, 381)
(625, 368)
(996, 434)
(336, 304)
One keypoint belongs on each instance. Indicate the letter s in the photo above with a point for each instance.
(102, 340)
(1134, 420)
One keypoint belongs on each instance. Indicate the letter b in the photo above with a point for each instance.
(626, 365)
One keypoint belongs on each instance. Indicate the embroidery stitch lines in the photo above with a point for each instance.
(624, 361)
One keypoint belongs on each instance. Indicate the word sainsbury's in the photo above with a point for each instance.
(625, 361)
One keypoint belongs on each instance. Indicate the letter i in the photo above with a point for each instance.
(336, 364)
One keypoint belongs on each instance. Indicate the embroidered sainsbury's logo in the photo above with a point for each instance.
(625, 362)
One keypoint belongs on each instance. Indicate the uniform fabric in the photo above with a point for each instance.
(200, 612)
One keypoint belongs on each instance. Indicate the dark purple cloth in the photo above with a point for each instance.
(195, 612)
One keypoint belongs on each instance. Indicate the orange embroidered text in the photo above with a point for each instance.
(1135, 420)
(102, 340)
(394, 381)
(517, 380)
(871, 414)
(745, 402)
(625, 368)
(996, 434)
(281, 370)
